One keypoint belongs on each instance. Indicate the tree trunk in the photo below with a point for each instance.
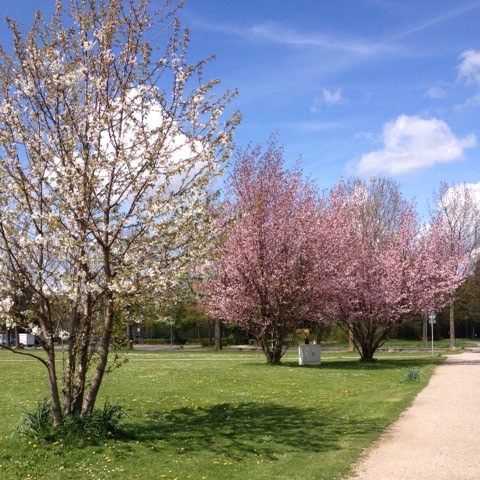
(69, 369)
(129, 336)
(351, 343)
(273, 355)
(16, 333)
(56, 404)
(91, 396)
(453, 344)
(82, 360)
(366, 355)
(218, 334)
(273, 351)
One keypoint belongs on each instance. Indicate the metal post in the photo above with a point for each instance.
(432, 320)
(432, 337)
(425, 333)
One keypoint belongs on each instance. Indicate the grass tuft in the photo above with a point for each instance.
(412, 374)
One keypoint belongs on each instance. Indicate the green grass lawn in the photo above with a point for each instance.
(229, 415)
(413, 344)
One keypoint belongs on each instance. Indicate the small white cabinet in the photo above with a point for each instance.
(309, 354)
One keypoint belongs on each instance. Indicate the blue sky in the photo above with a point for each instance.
(357, 87)
(354, 88)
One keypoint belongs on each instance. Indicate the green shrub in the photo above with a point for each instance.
(334, 334)
(210, 342)
(154, 341)
(102, 423)
(229, 340)
(412, 374)
(37, 425)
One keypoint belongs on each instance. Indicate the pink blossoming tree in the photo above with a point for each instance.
(265, 279)
(385, 270)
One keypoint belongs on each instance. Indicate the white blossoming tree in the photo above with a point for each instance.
(109, 142)
(458, 213)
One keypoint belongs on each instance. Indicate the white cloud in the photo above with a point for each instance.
(180, 160)
(460, 194)
(469, 67)
(436, 92)
(460, 205)
(472, 102)
(475, 189)
(281, 34)
(328, 97)
(411, 143)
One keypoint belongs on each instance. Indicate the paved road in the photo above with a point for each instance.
(438, 437)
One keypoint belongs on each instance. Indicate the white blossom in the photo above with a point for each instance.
(64, 335)
(10, 322)
(5, 305)
(36, 330)
(88, 46)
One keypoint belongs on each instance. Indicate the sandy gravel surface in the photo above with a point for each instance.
(438, 437)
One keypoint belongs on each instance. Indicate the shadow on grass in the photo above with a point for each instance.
(376, 364)
(249, 429)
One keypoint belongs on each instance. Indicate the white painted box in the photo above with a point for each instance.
(309, 354)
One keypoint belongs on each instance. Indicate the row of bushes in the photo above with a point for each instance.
(329, 335)
(204, 342)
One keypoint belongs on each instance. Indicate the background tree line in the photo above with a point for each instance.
(356, 256)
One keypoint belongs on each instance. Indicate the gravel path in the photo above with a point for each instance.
(438, 437)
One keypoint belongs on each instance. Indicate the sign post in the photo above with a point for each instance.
(431, 320)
